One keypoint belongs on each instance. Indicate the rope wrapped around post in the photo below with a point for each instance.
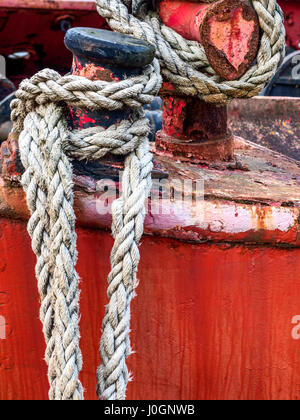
(46, 148)
(184, 63)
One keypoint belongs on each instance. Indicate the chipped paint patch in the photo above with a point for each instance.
(225, 217)
(242, 218)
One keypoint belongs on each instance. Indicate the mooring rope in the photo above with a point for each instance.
(47, 147)
(184, 62)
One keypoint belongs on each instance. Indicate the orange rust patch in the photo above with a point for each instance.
(232, 36)
(93, 72)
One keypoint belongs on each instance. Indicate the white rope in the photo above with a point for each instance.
(46, 147)
(184, 62)
(48, 183)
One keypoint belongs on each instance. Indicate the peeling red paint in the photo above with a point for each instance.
(193, 130)
(80, 116)
(9, 160)
(174, 116)
(228, 30)
(232, 36)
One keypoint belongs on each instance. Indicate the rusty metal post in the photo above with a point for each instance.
(229, 31)
(103, 55)
(192, 129)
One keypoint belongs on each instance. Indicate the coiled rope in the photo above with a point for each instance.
(46, 148)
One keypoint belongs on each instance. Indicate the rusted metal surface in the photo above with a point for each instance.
(228, 30)
(194, 151)
(108, 56)
(254, 199)
(193, 130)
(11, 166)
(184, 118)
(272, 122)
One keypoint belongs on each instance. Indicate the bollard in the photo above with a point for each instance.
(227, 29)
(108, 56)
(103, 55)
(192, 129)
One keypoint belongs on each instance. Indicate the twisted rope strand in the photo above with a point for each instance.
(48, 183)
(44, 145)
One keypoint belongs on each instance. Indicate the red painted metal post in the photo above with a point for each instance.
(108, 56)
(192, 129)
(228, 30)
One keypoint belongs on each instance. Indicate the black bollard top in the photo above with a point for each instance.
(109, 47)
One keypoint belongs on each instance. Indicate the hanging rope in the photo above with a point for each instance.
(46, 148)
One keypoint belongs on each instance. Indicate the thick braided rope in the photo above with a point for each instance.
(48, 86)
(45, 144)
(184, 62)
(48, 183)
(128, 223)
